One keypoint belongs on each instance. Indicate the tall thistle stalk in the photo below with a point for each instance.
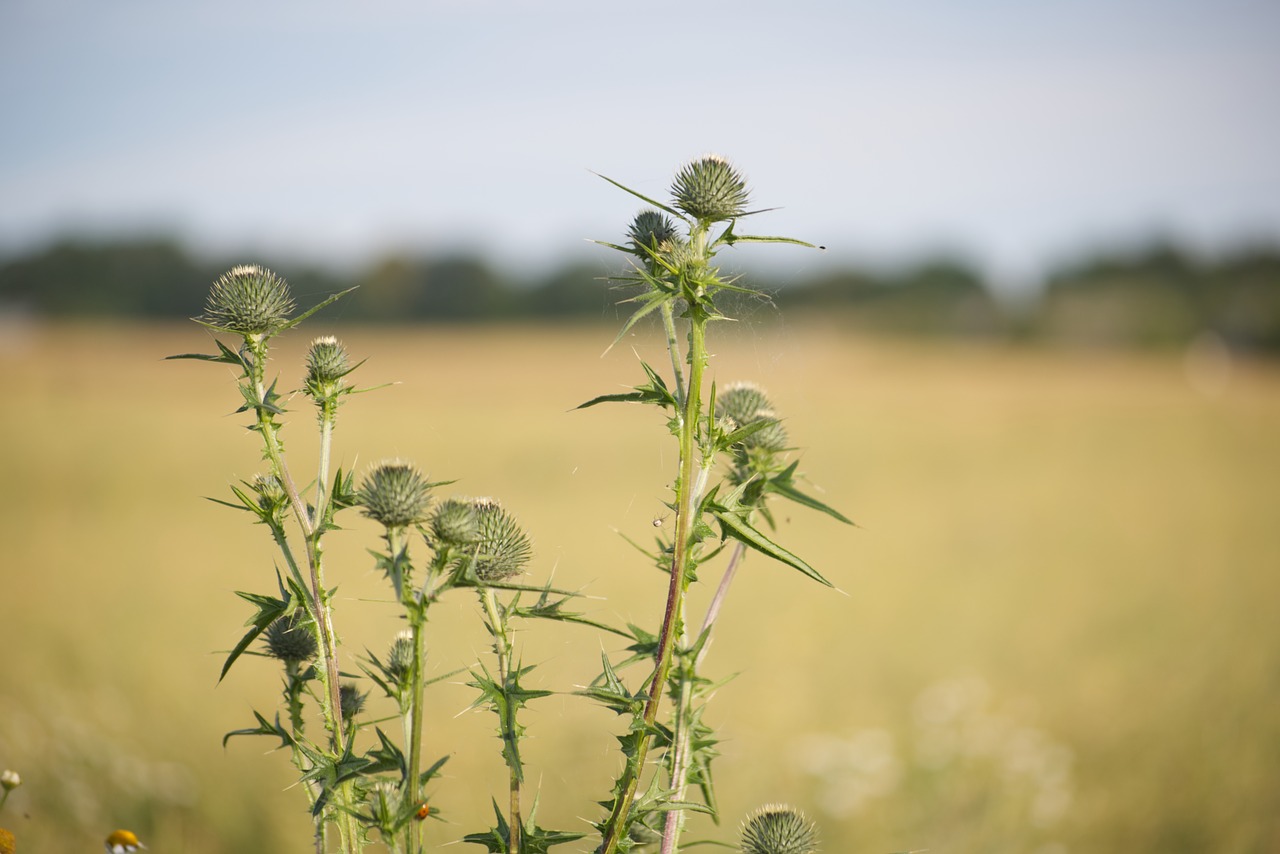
(676, 279)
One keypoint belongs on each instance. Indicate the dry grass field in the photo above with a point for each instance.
(1055, 629)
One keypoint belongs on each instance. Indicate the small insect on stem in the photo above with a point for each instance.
(658, 521)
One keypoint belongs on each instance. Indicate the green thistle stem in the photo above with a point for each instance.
(328, 415)
(332, 707)
(674, 822)
(502, 647)
(685, 509)
(673, 347)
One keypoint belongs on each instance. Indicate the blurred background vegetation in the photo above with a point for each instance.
(1160, 294)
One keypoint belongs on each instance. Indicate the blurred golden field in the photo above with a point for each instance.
(1055, 628)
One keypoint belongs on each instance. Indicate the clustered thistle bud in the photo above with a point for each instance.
(271, 495)
(351, 700)
(327, 364)
(400, 657)
(710, 190)
(500, 549)
(289, 641)
(745, 404)
(650, 231)
(455, 522)
(250, 301)
(395, 494)
(778, 829)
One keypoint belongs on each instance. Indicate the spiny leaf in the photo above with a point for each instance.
(269, 608)
(264, 727)
(675, 213)
(784, 484)
(332, 298)
(732, 525)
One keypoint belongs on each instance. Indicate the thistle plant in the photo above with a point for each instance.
(672, 248)
(365, 784)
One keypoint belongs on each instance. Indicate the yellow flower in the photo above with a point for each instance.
(122, 841)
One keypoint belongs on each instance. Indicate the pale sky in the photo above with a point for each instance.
(1015, 133)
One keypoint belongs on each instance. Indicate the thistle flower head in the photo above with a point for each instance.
(271, 495)
(745, 404)
(771, 437)
(400, 657)
(741, 401)
(290, 641)
(455, 522)
(778, 829)
(650, 230)
(501, 549)
(395, 494)
(709, 189)
(327, 364)
(351, 700)
(248, 300)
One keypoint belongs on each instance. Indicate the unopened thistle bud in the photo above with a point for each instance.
(501, 549)
(400, 657)
(288, 640)
(351, 700)
(327, 364)
(746, 404)
(741, 401)
(650, 231)
(394, 494)
(710, 190)
(248, 300)
(455, 522)
(778, 829)
(771, 437)
(271, 495)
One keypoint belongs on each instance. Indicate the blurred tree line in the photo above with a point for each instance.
(1160, 294)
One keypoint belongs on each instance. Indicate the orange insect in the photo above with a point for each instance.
(423, 811)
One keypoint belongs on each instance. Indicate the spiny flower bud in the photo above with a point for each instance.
(771, 437)
(351, 700)
(651, 230)
(501, 549)
(745, 404)
(289, 640)
(400, 657)
(741, 401)
(710, 190)
(394, 494)
(327, 364)
(778, 829)
(455, 522)
(248, 300)
(271, 495)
